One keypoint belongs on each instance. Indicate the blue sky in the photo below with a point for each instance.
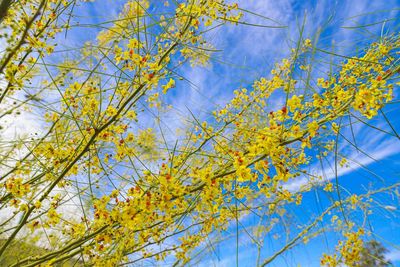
(249, 52)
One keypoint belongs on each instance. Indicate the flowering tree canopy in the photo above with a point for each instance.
(102, 182)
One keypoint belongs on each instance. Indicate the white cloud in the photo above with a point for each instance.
(375, 147)
(393, 256)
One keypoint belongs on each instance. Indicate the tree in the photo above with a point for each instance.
(373, 254)
(136, 193)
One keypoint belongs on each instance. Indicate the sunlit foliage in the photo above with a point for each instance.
(139, 195)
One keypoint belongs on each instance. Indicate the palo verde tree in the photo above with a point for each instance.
(373, 254)
(139, 194)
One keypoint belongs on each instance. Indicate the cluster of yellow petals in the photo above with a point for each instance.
(249, 154)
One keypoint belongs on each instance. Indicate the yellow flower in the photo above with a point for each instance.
(131, 115)
(134, 44)
(383, 49)
(313, 128)
(353, 200)
(111, 111)
(294, 103)
(342, 162)
(328, 187)
(307, 43)
(169, 85)
(38, 204)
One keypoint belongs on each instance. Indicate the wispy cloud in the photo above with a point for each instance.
(373, 148)
(393, 256)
